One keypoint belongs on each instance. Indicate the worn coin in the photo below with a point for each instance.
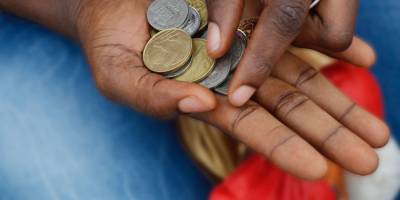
(224, 87)
(180, 71)
(238, 48)
(248, 25)
(165, 14)
(202, 64)
(193, 24)
(201, 6)
(314, 3)
(220, 72)
(167, 51)
(204, 35)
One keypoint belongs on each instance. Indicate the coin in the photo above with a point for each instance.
(180, 71)
(204, 35)
(248, 25)
(152, 32)
(167, 50)
(202, 64)
(224, 87)
(220, 72)
(193, 24)
(314, 3)
(201, 6)
(238, 48)
(165, 14)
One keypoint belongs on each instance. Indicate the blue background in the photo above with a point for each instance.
(93, 164)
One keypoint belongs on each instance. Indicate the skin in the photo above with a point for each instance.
(328, 28)
(297, 118)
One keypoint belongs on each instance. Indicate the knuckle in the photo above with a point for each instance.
(104, 83)
(288, 102)
(289, 17)
(264, 68)
(306, 75)
(337, 40)
(241, 115)
(280, 143)
(149, 99)
(329, 137)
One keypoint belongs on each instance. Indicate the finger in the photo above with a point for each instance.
(360, 53)
(279, 24)
(121, 76)
(328, 30)
(113, 42)
(258, 129)
(222, 25)
(316, 126)
(322, 92)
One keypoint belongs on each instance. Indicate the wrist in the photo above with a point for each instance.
(54, 14)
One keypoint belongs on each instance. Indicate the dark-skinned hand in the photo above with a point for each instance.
(296, 119)
(328, 28)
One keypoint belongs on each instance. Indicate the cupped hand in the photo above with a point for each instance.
(328, 28)
(296, 119)
(114, 34)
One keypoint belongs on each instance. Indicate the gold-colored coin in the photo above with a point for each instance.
(153, 32)
(202, 64)
(167, 50)
(200, 6)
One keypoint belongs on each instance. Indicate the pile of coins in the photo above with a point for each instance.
(178, 47)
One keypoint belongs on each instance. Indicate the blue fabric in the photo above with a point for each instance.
(60, 139)
(379, 24)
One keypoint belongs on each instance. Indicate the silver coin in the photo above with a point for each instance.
(180, 71)
(165, 14)
(219, 74)
(204, 35)
(238, 48)
(193, 24)
(314, 3)
(223, 88)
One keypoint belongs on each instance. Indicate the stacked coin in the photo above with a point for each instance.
(173, 53)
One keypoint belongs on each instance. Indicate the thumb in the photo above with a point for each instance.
(224, 17)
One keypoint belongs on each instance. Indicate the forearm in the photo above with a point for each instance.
(58, 15)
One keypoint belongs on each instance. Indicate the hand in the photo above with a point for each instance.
(328, 28)
(114, 34)
(297, 118)
(313, 118)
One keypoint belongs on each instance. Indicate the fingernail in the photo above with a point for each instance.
(242, 95)
(214, 36)
(192, 105)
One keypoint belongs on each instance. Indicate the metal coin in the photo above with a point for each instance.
(223, 88)
(204, 35)
(202, 64)
(165, 14)
(180, 71)
(248, 25)
(238, 48)
(220, 72)
(314, 3)
(193, 23)
(201, 6)
(153, 32)
(167, 51)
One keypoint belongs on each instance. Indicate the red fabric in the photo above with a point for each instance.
(258, 179)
